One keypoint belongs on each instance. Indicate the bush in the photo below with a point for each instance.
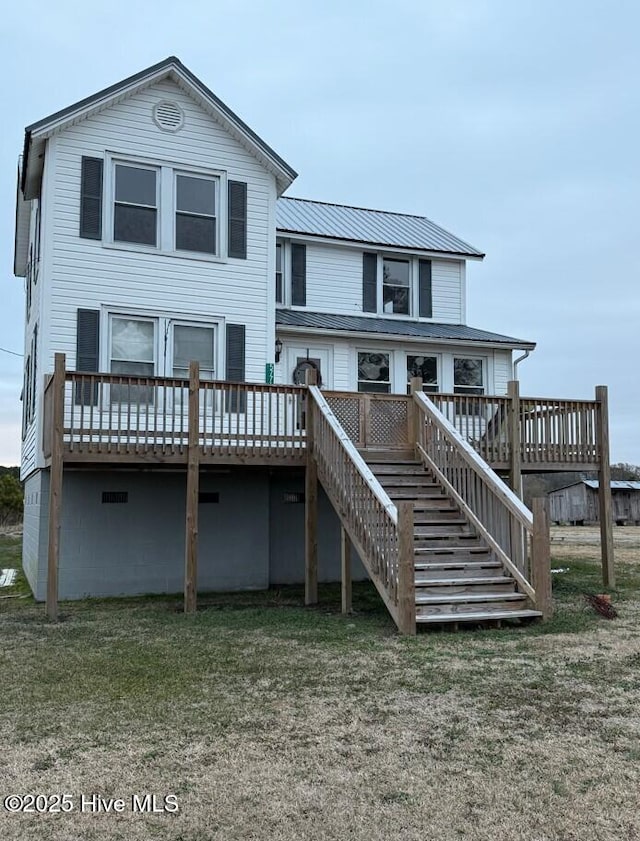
(11, 500)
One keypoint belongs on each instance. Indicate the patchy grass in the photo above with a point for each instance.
(269, 720)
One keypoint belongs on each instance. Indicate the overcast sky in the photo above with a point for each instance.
(514, 125)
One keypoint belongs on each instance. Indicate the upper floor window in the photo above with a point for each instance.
(279, 272)
(159, 206)
(135, 212)
(291, 273)
(396, 286)
(468, 376)
(196, 222)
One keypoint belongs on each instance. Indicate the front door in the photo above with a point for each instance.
(299, 359)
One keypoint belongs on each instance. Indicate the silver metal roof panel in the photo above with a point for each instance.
(378, 227)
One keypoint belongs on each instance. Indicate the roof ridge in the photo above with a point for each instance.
(367, 209)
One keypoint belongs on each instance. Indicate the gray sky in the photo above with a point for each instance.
(513, 124)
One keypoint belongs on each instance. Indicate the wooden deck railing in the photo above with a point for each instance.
(498, 514)
(129, 417)
(366, 512)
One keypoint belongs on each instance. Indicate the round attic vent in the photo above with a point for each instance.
(168, 116)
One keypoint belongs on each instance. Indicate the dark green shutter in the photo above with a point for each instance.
(237, 219)
(425, 308)
(87, 353)
(236, 340)
(369, 282)
(91, 198)
(298, 275)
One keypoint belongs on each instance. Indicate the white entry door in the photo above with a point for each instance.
(299, 358)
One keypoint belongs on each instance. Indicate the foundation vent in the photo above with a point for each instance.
(293, 497)
(115, 497)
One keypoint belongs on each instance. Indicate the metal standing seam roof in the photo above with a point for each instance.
(616, 485)
(393, 327)
(357, 224)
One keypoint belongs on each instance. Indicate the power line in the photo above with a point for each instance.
(12, 352)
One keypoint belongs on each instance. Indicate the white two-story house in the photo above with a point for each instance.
(153, 230)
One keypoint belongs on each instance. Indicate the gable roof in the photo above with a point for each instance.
(378, 227)
(394, 327)
(37, 133)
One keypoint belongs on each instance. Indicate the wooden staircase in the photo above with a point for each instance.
(457, 575)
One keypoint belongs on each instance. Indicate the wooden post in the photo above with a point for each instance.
(406, 570)
(193, 479)
(541, 557)
(310, 504)
(515, 469)
(604, 486)
(345, 544)
(55, 485)
(415, 385)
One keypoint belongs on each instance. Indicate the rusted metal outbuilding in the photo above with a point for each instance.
(578, 503)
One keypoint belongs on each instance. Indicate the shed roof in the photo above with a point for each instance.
(616, 485)
(394, 327)
(358, 224)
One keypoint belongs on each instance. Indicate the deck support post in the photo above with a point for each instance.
(515, 465)
(55, 485)
(310, 503)
(541, 557)
(345, 545)
(193, 480)
(604, 485)
(415, 386)
(406, 570)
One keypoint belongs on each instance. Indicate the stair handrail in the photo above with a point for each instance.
(498, 513)
(368, 515)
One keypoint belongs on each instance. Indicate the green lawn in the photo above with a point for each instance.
(269, 720)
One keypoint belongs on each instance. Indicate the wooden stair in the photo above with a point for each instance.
(457, 577)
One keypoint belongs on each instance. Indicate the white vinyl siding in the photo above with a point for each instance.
(95, 276)
(334, 283)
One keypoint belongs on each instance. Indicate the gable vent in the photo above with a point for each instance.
(168, 116)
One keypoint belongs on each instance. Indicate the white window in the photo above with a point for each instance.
(374, 372)
(427, 368)
(468, 376)
(132, 351)
(135, 212)
(196, 226)
(396, 286)
(192, 342)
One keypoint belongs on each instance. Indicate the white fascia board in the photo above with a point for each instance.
(396, 339)
(372, 246)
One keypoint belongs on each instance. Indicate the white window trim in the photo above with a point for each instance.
(286, 275)
(163, 338)
(485, 373)
(215, 179)
(432, 353)
(413, 286)
(375, 348)
(165, 204)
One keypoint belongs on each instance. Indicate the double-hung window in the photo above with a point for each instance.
(135, 211)
(132, 351)
(194, 342)
(396, 286)
(279, 273)
(425, 367)
(468, 376)
(196, 214)
(374, 372)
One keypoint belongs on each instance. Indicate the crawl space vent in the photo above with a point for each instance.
(168, 116)
(293, 497)
(115, 496)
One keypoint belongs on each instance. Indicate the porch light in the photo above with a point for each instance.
(278, 350)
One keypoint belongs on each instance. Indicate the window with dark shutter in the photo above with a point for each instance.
(237, 246)
(235, 399)
(425, 308)
(91, 198)
(298, 275)
(87, 354)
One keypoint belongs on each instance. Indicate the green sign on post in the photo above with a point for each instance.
(268, 373)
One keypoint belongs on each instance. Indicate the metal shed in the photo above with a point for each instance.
(578, 503)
